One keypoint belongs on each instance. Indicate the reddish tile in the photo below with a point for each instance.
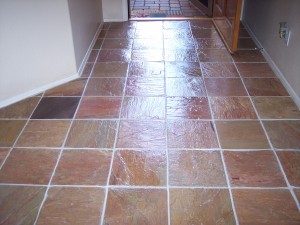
(114, 55)
(110, 69)
(98, 44)
(150, 25)
(176, 25)
(182, 69)
(73, 88)
(225, 87)
(3, 154)
(147, 55)
(181, 55)
(248, 56)
(144, 86)
(117, 43)
(255, 70)
(290, 162)
(26, 166)
(201, 24)
(297, 193)
(105, 87)
(93, 56)
(208, 43)
(146, 69)
(178, 34)
(185, 87)
(224, 70)
(120, 33)
(87, 69)
(205, 33)
(174, 44)
(265, 87)
(246, 44)
(9, 131)
(214, 55)
(147, 44)
(149, 34)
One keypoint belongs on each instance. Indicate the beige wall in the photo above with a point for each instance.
(115, 10)
(263, 18)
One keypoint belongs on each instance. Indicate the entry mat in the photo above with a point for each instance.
(156, 13)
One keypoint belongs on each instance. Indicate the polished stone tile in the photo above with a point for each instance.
(20, 204)
(175, 25)
(19, 110)
(153, 26)
(248, 56)
(243, 33)
(73, 88)
(172, 44)
(147, 44)
(72, 205)
(225, 87)
(145, 86)
(179, 33)
(102, 33)
(44, 133)
(276, 108)
(200, 206)
(196, 168)
(205, 33)
(185, 87)
(241, 135)
(98, 43)
(99, 107)
(105, 87)
(146, 69)
(83, 167)
(208, 43)
(26, 166)
(87, 69)
(120, 33)
(225, 70)
(201, 24)
(3, 154)
(56, 108)
(182, 69)
(284, 134)
(149, 34)
(214, 55)
(92, 134)
(114, 55)
(93, 56)
(290, 162)
(117, 43)
(139, 168)
(258, 70)
(232, 108)
(181, 55)
(246, 44)
(122, 25)
(188, 108)
(265, 207)
(253, 169)
(297, 193)
(110, 69)
(136, 206)
(9, 131)
(147, 55)
(143, 108)
(191, 134)
(265, 87)
(141, 134)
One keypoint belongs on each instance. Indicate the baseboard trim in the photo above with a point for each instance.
(115, 20)
(273, 65)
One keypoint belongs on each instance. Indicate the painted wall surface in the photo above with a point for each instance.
(263, 18)
(115, 10)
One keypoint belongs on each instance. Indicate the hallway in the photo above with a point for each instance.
(164, 127)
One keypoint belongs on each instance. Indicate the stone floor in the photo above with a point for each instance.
(164, 127)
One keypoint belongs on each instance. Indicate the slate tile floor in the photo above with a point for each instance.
(161, 129)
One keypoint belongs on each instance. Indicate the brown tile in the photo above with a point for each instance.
(182, 69)
(99, 107)
(246, 43)
(117, 43)
(20, 204)
(191, 134)
(87, 69)
(98, 43)
(258, 70)
(181, 55)
(83, 167)
(297, 193)
(284, 134)
(265, 207)
(175, 44)
(176, 25)
(147, 55)
(232, 108)
(147, 44)
(139, 168)
(120, 33)
(93, 56)
(143, 108)
(72, 206)
(200, 206)
(3, 154)
(178, 34)
(122, 25)
(141, 134)
(242, 171)
(241, 135)
(214, 55)
(56, 108)
(209, 43)
(44, 133)
(9, 131)
(185, 87)
(149, 34)
(102, 33)
(105, 87)
(205, 33)
(111, 69)
(188, 108)
(276, 108)
(150, 25)
(225, 87)
(114, 55)
(19, 110)
(243, 33)
(73, 88)
(145, 86)
(196, 168)
(225, 70)
(201, 24)
(248, 56)
(92, 134)
(290, 162)
(136, 206)
(26, 166)
(146, 69)
(265, 87)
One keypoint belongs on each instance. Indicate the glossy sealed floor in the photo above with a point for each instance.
(164, 127)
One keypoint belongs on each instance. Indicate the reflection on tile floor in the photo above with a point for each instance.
(160, 129)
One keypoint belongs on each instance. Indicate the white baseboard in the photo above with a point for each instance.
(274, 67)
(115, 20)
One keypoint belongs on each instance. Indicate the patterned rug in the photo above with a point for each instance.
(156, 13)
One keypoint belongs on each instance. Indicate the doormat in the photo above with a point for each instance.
(156, 13)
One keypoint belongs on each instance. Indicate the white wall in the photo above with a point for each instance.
(115, 10)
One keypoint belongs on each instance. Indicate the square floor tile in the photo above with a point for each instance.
(19, 110)
(276, 108)
(200, 206)
(284, 134)
(99, 107)
(139, 168)
(182, 69)
(253, 169)
(110, 69)
(196, 168)
(181, 55)
(83, 167)
(92, 134)
(179, 33)
(73, 88)
(265, 87)
(147, 55)
(87, 70)
(20, 204)
(185, 87)
(93, 56)
(143, 108)
(144, 86)
(141, 134)
(248, 56)
(146, 69)
(214, 55)
(105, 87)
(175, 44)
(201, 24)
(98, 43)
(246, 44)
(9, 131)
(56, 108)
(188, 108)
(117, 43)
(232, 108)
(241, 135)
(176, 25)
(120, 33)
(265, 207)
(114, 55)
(26, 166)
(297, 193)
(255, 70)
(290, 162)
(148, 34)
(148, 44)
(44, 133)
(3, 154)
(225, 70)
(205, 33)
(191, 134)
(225, 87)
(136, 206)
(209, 43)
(73, 206)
